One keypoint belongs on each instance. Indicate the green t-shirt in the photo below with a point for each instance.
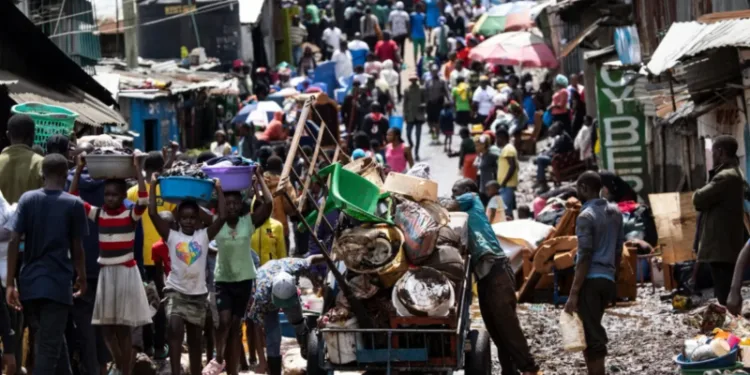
(463, 102)
(235, 261)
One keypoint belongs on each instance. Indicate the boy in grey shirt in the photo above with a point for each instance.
(600, 240)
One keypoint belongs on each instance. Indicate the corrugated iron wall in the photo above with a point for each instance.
(654, 17)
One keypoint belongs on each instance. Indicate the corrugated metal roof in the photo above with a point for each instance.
(91, 110)
(685, 39)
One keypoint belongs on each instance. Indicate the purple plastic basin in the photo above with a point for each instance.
(232, 178)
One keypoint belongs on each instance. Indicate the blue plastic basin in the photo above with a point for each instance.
(714, 363)
(178, 189)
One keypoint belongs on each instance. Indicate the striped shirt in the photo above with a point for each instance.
(297, 35)
(117, 231)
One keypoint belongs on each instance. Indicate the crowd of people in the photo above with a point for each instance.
(79, 250)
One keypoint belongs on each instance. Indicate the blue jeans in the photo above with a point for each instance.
(542, 162)
(508, 194)
(273, 328)
(48, 322)
(296, 54)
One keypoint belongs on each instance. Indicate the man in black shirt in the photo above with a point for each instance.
(561, 144)
(375, 124)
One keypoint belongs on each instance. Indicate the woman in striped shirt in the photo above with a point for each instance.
(121, 302)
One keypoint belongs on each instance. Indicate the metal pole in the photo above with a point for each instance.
(195, 25)
(131, 34)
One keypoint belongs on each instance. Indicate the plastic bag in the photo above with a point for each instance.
(420, 231)
(571, 328)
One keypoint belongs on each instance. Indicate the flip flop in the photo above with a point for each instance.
(213, 368)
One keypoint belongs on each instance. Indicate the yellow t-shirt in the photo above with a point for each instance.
(150, 236)
(268, 241)
(503, 166)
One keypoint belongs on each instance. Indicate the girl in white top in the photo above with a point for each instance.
(185, 289)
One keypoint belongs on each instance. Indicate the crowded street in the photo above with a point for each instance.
(374, 187)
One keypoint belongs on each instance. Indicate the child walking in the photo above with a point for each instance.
(235, 271)
(397, 154)
(467, 154)
(121, 302)
(446, 126)
(185, 289)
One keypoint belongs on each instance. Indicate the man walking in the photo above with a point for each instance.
(600, 239)
(398, 21)
(721, 227)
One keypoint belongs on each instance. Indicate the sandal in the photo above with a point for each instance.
(213, 368)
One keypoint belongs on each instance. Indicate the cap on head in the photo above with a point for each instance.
(284, 290)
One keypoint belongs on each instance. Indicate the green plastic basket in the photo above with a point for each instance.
(49, 120)
(353, 194)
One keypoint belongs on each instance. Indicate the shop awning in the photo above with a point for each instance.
(91, 111)
(686, 39)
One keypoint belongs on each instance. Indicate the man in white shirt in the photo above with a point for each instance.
(459, 71)
(343, 59)
(357, 43)
(398, 21)
(483, 99)
(331, 38)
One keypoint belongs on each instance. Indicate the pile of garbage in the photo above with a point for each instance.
(406, 262)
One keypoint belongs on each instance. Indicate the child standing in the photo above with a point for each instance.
(446, 126)
(397, 154)
(121, 302)
(186, 290)
(466, 155)
(495, 206)
(600, 239)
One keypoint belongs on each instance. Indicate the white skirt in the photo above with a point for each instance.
(120, 298)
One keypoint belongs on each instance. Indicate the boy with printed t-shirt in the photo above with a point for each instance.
(186, 291)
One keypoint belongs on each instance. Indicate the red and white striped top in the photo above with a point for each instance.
(117, 231)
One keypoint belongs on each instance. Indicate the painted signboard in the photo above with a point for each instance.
(622, 129)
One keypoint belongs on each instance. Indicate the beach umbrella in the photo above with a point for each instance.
(266, 107)
(505, 17)
(516, 48)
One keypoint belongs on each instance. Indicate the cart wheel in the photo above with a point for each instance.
(313, 357)
(479, 358)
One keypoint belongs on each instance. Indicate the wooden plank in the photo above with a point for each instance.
(675, 219)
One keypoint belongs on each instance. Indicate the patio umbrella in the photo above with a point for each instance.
(505, 17)
(517, 48)
(267, 107)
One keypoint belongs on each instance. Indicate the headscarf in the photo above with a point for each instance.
(561, 80)
(358, 154)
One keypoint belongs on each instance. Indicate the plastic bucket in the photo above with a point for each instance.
(342, 347)
(287, 329)
(178, 188)
(232, 178)
(110, 166)
(396, 121)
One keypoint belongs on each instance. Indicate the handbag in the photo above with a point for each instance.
(547, 118)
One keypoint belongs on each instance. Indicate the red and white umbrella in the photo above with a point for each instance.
(515, 48)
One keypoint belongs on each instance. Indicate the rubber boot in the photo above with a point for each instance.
(301, 332)
(274, 365)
